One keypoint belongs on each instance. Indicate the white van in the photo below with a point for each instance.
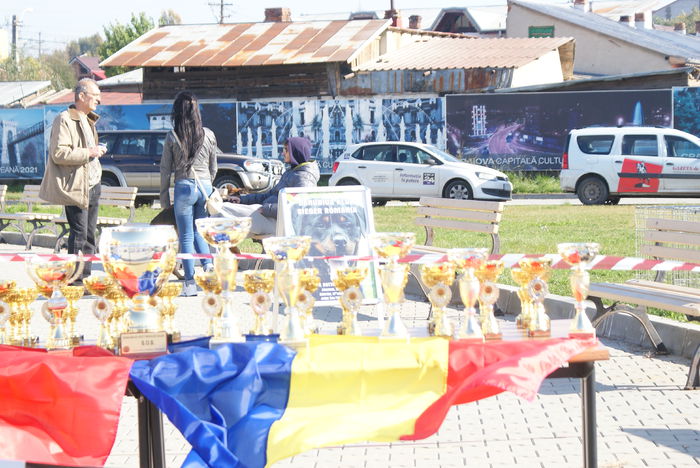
(603, 164)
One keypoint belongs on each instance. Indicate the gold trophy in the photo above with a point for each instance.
(5, 310)
(211, 302)
(310, 282)
(348, 281)
(488, 274)
(392, 246)
(140, 259)
(285, 251)
(55, 274)
(439, 278)
(225, 233)
(579, 255)
(73, 294)
(522, 279)
(537, 271)
(167, 293)
(23, 316)
(259, 284)
(98, 284)
(469, 260)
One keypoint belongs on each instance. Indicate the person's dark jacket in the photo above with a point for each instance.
(303, 173)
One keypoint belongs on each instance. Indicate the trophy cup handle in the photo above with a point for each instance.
(32, 274)
(78, 270)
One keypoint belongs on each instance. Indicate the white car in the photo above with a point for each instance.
(407, 171)
(603, 164)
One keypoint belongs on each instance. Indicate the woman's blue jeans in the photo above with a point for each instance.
(190, 205)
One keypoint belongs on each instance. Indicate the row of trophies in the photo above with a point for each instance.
(134, 297)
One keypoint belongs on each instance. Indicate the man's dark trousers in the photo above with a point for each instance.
(83, 227)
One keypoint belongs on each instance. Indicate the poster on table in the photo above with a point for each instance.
(339, 221)
(334, 124)
(22, 144)
(527, 131)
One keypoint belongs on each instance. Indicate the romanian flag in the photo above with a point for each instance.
(252, 404)
(60, 408)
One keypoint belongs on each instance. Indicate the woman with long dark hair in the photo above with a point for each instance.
(190, 152)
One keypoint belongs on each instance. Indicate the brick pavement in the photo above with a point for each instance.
(645, 418)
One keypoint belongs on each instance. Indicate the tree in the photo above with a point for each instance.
(688, 18)
(52, 67)
(85, 45)
(119, 35)
(168, 17)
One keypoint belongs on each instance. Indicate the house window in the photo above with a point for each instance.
(540, 31)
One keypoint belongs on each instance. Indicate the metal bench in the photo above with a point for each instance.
(672, 240)
(36, 221)
(124, 197)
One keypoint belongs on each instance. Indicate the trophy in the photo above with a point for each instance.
(348, 281)
(285, 251)
(167, 293)
(73, 294)
(98, 285)
(439, 278)
(259, 284)
(469, 260)
(537, 271)
(55, 274)
(310, 282)
(394, 275)
(21, 315)
(140, 259)
(522, 279)
(224, 234)
(578, 256)
(211, 302)
(5, 310)
(488, 273)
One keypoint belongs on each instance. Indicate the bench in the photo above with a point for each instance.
(671, 240)
(124, 197)
(37, 221)
(463, 215)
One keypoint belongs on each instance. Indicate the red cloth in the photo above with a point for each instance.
(479, 371)
(60, 408)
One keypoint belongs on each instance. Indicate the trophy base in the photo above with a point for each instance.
(143, 345)
(31, 342)
(343, 330)
(493, 336)
(582, 334)
(539, 333)
(76, 340)
(174, 337)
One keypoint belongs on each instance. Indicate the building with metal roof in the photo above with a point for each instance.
(19, 93)
(604, 46)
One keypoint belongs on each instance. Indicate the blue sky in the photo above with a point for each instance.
(60, 22)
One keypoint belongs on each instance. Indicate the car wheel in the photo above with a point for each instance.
(612, 201)
(458, 189)
(228, 181)
(592, 191)
(110, 180)
(348, 182)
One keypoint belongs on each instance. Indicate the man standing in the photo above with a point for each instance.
(73, 171)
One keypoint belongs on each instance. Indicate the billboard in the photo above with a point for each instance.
(527, 131)
(21, 143)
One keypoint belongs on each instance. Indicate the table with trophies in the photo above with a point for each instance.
(135, 302)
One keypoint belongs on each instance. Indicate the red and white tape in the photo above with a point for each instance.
(602, 262)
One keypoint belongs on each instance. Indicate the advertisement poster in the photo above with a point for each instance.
(21, 143)
(686, 110)
(527, 131)
(339, 221)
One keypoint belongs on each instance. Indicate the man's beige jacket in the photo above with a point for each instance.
(66, 175)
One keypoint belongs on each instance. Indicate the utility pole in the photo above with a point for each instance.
(15, 24)
(39, 44)
(221, 4)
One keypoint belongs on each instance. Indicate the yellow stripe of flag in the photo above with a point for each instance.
(349, 389)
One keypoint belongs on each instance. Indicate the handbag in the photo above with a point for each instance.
(166, 217)
(214, 201)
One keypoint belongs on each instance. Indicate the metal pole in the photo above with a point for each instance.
(590, 449)
(15, 23)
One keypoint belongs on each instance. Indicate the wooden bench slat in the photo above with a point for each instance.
(671, 253)
(486, 216)
(454, 224)
(462, 204)
(649, 298)
(673, 225)
(672, 237)
(664, 286)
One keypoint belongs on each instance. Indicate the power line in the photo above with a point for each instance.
(222, 5)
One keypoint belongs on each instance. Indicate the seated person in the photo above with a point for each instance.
(262, 207)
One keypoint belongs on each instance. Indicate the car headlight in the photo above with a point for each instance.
(254, 166)
(486, 176)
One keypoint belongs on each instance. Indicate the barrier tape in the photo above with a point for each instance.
(601, 262)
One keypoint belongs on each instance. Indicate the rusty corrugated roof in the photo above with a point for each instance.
(438, 53)
(248, 44)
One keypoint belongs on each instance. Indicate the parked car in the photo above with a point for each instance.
(603, 164)
(133, 159)
(407, 171)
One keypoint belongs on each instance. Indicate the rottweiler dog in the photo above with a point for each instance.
(336, 231)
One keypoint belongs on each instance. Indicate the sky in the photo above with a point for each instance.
(59, 22)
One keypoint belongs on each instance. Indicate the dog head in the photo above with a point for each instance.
(334, 231)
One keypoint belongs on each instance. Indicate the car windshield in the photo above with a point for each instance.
(442, 154)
